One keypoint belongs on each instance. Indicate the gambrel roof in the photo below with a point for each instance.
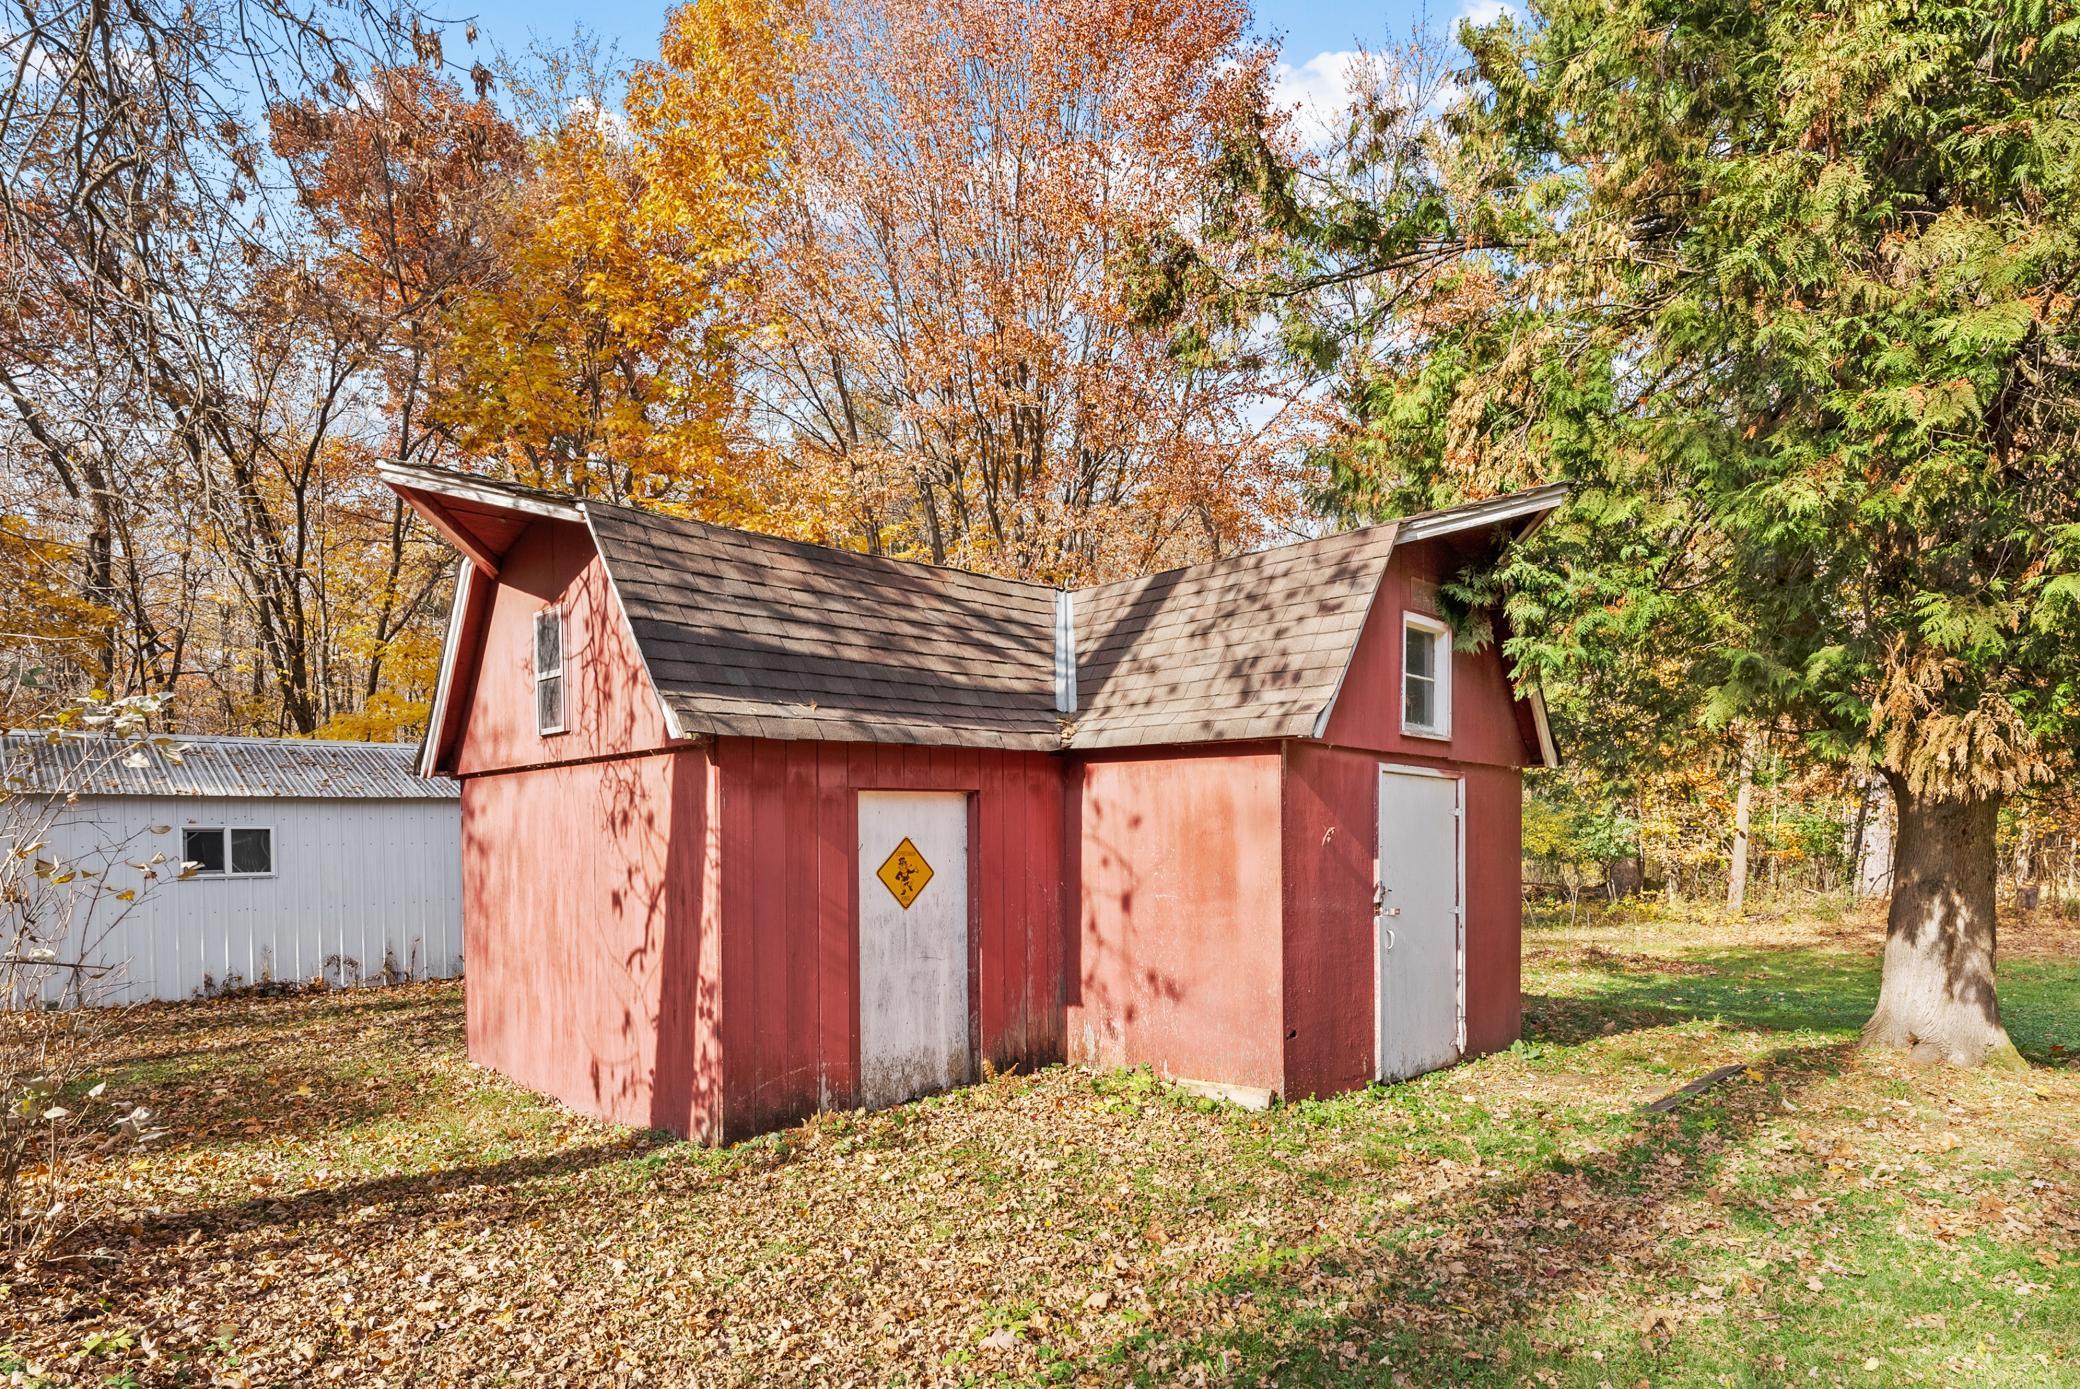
(751, 635)
(1250, 647)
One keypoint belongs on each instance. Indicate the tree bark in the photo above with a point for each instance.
(1737, 871)
(1936, 1000)
(1872, 864)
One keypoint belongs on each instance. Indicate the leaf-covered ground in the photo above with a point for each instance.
(347, 1200)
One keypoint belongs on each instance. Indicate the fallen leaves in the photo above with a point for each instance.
(345, 1201)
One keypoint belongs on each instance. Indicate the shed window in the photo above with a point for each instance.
(1426, 676)
(548, 671)
(239, 852)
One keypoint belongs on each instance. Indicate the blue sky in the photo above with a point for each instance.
(1310, 32)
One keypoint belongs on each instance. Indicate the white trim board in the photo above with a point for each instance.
(1537, 503)
(445, 484)
(436, 716)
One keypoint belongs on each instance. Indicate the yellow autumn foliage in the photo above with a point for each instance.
(600, 361)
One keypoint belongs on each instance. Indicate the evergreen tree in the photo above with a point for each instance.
(1789, 290)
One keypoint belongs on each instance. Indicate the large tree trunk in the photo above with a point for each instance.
(1936, 1000)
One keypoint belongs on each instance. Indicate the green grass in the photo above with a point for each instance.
(346, 1197)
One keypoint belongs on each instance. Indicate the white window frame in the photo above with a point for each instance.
(1441, 680)
(534, 647)
(202, 875)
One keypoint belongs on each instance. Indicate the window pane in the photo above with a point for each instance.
(548, 704)
(1419, 702)
(204, 849)
(252, 851)
(548, 641)
(1420, 651)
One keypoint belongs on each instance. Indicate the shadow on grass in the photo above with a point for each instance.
(487, 1192)
(1772, 989)
(223, 1070)
(1436, 1313)
(158, 1035)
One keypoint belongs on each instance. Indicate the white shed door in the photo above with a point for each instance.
(913, 944)
(1419, 928)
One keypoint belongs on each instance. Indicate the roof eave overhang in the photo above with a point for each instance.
(425, 489)
(439, 482)
(430, 491)
(1531, 507)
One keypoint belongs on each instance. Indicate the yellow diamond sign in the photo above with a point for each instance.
(905, 873)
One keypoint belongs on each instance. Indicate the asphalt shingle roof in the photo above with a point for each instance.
(1252, 647)
(752, 635)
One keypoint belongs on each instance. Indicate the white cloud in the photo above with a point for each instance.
(584, 110)
(1319, 91)
(1482, 12)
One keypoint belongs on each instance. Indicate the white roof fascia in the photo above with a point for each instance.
(437, 715)
(445, 485)
(1537, 503)
(1548, 751)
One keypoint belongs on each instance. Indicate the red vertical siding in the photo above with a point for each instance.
(1329, 845)
(587, 955)
(790, 934)
(1048, 863)
(837, 834)
(609, 705)
(1494, 907)
(1331, 848)
(1484, 722)
(1177, 952)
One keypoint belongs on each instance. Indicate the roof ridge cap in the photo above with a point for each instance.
(649, 516)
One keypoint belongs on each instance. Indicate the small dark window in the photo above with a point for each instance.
(548, 671)
(252, 851)
(227, 853)
(203, 850)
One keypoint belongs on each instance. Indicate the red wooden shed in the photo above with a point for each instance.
(753, 828)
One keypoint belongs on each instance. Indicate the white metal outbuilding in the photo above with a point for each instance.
(314, 859)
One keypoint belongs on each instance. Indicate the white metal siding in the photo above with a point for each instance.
(354, 882)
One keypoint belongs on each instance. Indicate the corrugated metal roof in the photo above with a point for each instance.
(219, 767)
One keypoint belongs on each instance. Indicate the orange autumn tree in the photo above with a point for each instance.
(940, 359)
(404, 187)
(601, 360)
